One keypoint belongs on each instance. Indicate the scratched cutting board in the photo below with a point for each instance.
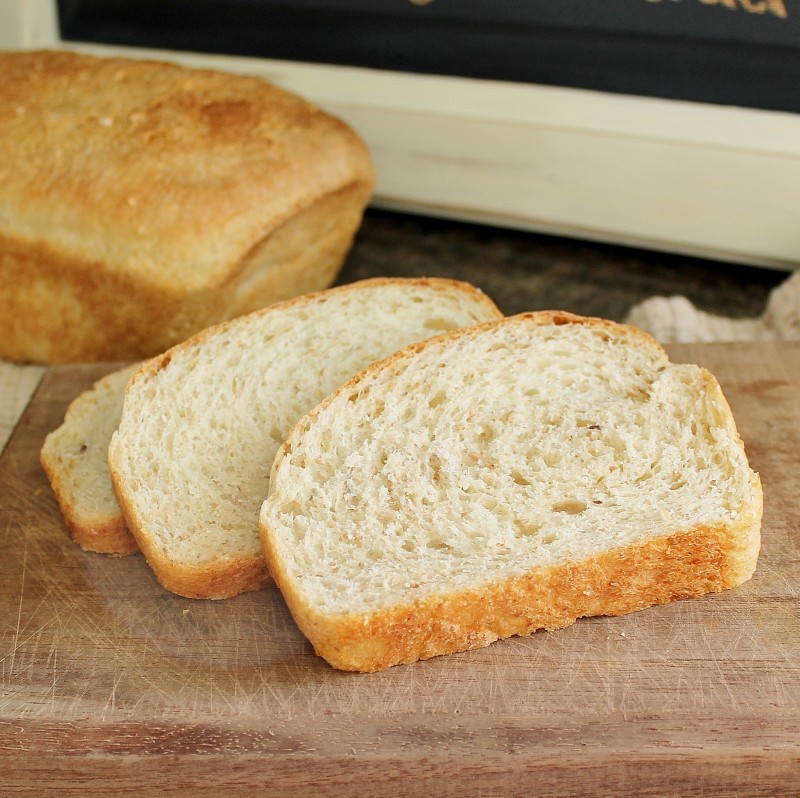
(110, 684)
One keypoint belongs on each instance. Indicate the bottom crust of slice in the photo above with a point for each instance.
(683, 565)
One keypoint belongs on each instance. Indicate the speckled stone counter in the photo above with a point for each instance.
(527, 271)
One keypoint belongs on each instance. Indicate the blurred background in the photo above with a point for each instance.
(567, 153)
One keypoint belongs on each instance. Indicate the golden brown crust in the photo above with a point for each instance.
(683, 565)
(136, 195)
(443, 284)
(215, 579)
(102, 534)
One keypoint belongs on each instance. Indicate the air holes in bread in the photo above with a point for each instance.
(570, 506)
(527, 528)
(438, 324)
(436, 399)
(486, 435)
(519, 478)
(551, 459)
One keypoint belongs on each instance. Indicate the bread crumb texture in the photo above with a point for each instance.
(502, 479)
(201, 424)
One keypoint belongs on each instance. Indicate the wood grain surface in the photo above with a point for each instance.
(110, 685)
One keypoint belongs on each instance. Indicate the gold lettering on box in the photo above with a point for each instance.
(775, 7)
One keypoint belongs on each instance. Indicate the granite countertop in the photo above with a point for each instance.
(527, 271)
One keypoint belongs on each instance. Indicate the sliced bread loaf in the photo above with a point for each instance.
(201, 424)
(507, 478)
(75, 459)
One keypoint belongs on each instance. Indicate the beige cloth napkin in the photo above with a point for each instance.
(676, 320)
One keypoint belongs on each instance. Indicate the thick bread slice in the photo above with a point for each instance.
(75, 459)
(201, 424)
(507, 478)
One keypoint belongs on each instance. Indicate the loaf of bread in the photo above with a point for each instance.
(201, 424)
(75, 459)
(142, 201)
(507, 478)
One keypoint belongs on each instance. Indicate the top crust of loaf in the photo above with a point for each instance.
(85, 143)
(509, 477)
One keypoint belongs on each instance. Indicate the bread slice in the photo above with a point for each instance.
(75, 459)
(201, 424)
(142, 201)
(503, 479)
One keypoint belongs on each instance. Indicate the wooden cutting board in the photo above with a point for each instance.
(111, 685)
